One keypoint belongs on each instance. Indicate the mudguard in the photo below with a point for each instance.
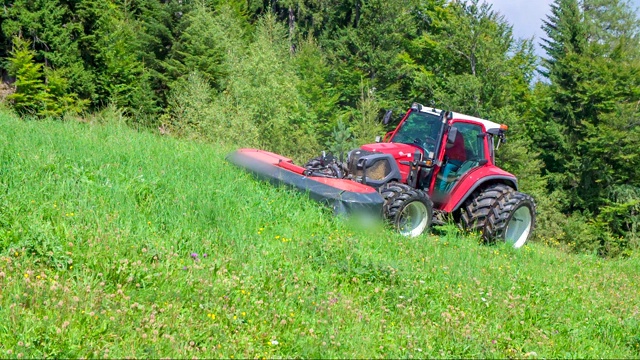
(343, 196)
(474, 179)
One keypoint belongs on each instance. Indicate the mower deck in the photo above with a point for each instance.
(343, 196)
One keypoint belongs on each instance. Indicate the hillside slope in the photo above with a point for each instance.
(115, 243)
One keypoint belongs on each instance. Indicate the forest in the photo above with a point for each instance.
(300, 76)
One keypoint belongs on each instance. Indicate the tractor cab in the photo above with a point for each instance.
(451, 147)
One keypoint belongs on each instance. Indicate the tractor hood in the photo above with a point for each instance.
(400, 152)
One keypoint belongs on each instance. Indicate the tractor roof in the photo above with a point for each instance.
(488, 125)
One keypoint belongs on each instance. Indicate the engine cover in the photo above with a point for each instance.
(372, 168)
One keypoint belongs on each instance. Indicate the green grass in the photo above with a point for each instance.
(98, 225)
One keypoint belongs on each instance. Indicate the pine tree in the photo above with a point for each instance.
(29, 95)
(594, 76)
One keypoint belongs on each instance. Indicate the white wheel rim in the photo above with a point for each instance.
(413, 219)
(519, 227)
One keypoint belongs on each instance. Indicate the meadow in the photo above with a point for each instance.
(118, 243)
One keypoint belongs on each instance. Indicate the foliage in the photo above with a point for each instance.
(261, 105)
(190, 111)
(593, 91)
(198, 48)
(39, 91)
(341, 141)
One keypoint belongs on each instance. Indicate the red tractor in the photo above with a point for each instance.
(434, 163)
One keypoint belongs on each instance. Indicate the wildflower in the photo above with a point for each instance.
(184, 268)
(205, 255)
(274, 342)
(194, 255)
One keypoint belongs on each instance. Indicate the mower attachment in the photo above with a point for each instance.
(343, 196)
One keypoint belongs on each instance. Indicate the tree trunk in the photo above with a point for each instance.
(292, 28)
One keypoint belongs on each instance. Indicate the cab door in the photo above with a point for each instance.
(466, 153)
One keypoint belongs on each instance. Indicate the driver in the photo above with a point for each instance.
(455, 154)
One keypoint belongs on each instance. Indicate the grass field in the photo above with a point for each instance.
(116, 243)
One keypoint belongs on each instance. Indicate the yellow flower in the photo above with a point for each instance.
(26, 275)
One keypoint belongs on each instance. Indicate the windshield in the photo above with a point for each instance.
(420, 129)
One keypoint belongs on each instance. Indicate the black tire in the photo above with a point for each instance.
(492, 209)
(409, 210)
(512, 219)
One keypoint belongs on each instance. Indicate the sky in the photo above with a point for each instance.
(526, 16)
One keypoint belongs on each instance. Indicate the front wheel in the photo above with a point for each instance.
(409, 210)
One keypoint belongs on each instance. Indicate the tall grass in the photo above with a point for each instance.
(115, 243)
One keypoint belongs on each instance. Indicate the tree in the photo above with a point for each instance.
(53, 31)
(594, 76)
(39, 91)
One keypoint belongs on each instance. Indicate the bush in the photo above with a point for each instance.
(190, 112)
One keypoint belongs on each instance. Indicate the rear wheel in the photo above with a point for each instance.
(409, 210)
(513, 219)
(476, 209)
(501, 214)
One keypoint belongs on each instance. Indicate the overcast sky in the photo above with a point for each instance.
(526, 16)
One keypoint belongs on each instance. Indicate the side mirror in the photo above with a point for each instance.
(449, 115)
(453, 133)
(387, 117)
(378, 138)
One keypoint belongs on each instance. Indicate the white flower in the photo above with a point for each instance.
(274, 342)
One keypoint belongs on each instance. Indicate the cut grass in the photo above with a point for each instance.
(103, 236)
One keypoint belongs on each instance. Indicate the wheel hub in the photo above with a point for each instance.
(519, 227)
(413, 219)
